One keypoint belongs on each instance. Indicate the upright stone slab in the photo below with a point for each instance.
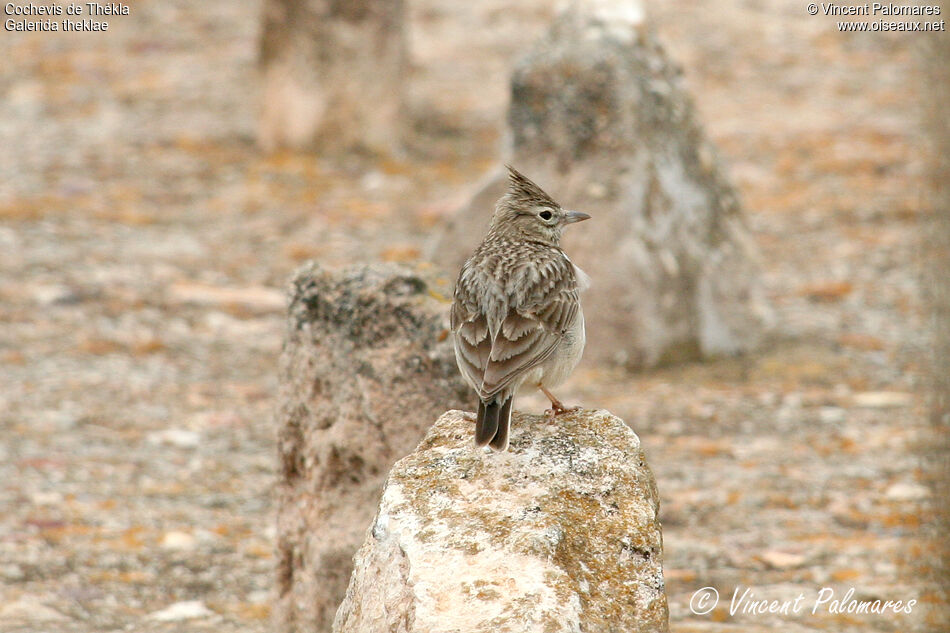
(559, 534)
(366, 367)
(600, 118)
(333, 72)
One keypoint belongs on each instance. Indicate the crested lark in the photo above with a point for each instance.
(516, 318)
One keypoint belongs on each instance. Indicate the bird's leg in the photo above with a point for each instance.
(557, 407)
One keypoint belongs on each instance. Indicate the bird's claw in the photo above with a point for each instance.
(557, 409)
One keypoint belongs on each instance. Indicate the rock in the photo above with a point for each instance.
(777, 559)
(177, 540)
(187, 610)
(29, 609)
(558, 534)
(601, 119)
(257, 299)
(883, 399)
(179, 438)
(54, 294)
(832, 415)
(47, 498)
(904, 491)
(333, 72)
(12, 572)
(366, 366)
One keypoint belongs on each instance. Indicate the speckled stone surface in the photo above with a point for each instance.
(362, 359)
(601, 118)
(560, 533)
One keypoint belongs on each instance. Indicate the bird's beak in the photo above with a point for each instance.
(570, 217)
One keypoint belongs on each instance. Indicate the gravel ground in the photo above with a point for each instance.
(145, 244)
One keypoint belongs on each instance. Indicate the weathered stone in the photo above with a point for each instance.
(334, 72)
(560, 533)
(600, 117)
(366, 367)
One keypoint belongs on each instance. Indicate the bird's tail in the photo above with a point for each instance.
(492, 423)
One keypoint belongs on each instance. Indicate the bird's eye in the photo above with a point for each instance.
(545, 215)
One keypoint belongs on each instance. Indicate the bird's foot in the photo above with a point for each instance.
(557, 408)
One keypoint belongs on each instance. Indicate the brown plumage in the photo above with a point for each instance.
(516, 318)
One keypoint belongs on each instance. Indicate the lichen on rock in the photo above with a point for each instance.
(600, 117)
(558, 534)
(365, 368)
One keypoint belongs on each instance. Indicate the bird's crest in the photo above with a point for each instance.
(522, 191)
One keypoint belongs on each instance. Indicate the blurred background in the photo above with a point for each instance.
(146, 239)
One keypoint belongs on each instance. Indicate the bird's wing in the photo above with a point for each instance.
(472, 343)
(503, 331)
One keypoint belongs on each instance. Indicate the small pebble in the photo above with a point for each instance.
(903, 491)
(180, 438)
(187, 610)
(883, 399)
(177, 540)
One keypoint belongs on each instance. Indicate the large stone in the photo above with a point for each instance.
(600, 118)
(366, 367)
(558, 534)
(334, 72)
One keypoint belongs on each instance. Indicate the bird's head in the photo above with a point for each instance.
(527, 212)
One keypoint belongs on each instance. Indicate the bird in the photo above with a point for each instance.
(516, 317)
